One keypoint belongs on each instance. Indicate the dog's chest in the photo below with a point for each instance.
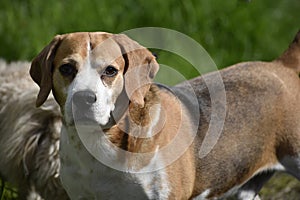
(84, 177)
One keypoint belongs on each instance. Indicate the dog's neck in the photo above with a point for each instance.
(142, 130)
(139, 126)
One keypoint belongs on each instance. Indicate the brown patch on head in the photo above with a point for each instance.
(72, 51)
(74, 46)
(97, 38)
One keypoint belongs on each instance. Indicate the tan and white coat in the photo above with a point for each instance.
(260, 133)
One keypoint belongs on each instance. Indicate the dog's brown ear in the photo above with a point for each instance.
(291, 57)
(41, 69)
(140, 68)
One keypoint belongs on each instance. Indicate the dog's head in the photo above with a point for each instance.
(89, 71)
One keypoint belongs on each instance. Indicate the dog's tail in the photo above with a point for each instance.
(291, 57)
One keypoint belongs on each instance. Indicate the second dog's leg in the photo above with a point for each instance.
(250, 189)
(292, 166)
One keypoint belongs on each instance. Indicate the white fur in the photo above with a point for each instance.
(248, 195)
(98, 181)
(203, 195)
(276, 167)
(156, 181)
(155, 117)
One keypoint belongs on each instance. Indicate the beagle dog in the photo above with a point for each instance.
(121, 131)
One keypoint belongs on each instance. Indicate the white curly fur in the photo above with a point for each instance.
(29, 136)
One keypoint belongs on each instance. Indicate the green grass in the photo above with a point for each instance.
(231, 31)
(7, 192)
(280, 187)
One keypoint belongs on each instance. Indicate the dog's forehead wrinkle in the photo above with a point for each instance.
(106, 53)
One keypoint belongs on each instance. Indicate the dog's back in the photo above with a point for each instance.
(29, 136)
(261, 129)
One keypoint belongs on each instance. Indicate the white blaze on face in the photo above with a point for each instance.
(88, 78)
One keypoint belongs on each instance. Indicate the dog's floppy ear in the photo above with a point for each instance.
(140, 68)
(291, 57)
(41, 69)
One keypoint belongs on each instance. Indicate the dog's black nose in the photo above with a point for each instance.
(84, 98)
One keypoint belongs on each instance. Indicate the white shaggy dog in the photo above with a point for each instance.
(29, 136)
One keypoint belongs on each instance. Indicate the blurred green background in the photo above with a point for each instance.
(231, 31)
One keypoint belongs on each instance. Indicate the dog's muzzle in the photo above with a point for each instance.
(82, 109)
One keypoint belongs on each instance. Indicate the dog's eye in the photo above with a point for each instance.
(67, 69)
(110, 71)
